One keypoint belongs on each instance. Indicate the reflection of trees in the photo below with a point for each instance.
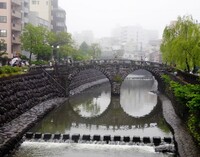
(90, 106)
(86, 103)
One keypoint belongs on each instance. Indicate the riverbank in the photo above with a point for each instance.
(12, 132)
(184, 142)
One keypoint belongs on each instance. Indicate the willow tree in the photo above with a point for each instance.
(181, 43)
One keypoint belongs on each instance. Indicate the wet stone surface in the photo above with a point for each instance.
(185, 144)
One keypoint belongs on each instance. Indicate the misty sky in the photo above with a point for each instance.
(101, 16)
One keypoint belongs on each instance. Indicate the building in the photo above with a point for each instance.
(50, 16)
(11, 25)
(38, 16)
(42, 7)
(15, 14)
(25, 12)
(58, 18)
(134, 40)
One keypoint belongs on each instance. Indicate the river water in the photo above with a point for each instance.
(137, 112)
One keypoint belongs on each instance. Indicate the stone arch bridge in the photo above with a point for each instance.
(116, 70)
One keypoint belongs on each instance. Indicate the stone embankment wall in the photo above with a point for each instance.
(85, 77)
(19, 94)
(25, 99)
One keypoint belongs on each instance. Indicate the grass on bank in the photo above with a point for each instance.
(7, 70)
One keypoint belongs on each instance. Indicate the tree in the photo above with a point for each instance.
(61, 42)
(181, 44)
(3, 49)
(84, 51)
(96, 51)
(35, 40)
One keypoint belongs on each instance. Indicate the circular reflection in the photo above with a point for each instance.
(92, 102)
(136, 97)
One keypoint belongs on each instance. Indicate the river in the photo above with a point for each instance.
(137, 112)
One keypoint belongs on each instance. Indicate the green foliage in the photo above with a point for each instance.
(9, 70)
(39, 62)
(62, 45)
(95, 51)
(117, 78)
(35, 40)
(181, 44)
(188, 95)
(86, 51)
(3, 49)
(194, 126)
(166, 78)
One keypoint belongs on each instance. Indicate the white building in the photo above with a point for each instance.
(134, 39)
(41, 13)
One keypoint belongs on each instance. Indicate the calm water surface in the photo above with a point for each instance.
(136, 113)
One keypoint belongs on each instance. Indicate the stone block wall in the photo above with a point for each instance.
(85, 77)
(19, 94)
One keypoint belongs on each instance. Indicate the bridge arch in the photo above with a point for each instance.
(77, 71)
(153, 71)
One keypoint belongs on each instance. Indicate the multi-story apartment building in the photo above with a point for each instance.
(15, 14)
(10, 25)
(58, 18)
(40, 13)
(25, 12)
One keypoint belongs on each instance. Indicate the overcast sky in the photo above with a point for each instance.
(101, 16)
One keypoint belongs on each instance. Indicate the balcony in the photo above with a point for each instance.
(16, 14)
(18, 2)
(16, 40)
(26, 20)
(26, 10)
(16, 27)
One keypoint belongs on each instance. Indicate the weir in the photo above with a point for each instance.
(165, 144)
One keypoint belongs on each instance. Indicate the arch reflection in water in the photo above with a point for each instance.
(91, 103)
(136, 97)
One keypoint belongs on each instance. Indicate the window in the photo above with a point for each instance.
(3, 19)
(35, 2)
(61, 15)
(59, 24)
(3, 33)
(2, 5)
(3, 47)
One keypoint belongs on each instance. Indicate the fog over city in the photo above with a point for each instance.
(101, 16)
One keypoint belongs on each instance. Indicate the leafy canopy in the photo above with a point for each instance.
(181, 43)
